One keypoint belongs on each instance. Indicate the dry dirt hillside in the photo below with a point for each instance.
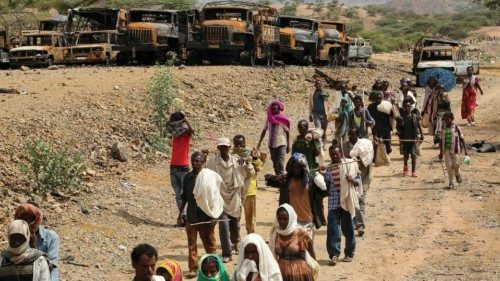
(416, 229)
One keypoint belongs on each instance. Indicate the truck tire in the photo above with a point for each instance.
(50, 61)
(333, 60)
(247, 58)
(107, 59)
(307, 61)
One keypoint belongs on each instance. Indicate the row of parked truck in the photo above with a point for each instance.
(221, 32)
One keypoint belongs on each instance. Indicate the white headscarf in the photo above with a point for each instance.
(268, 268)
(19, 227)
(290, 228)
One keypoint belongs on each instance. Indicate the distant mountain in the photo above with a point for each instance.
(362, 2)
(429, 6)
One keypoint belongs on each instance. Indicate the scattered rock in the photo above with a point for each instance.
(119, 152)
(115, 87)
(24, 68)
(182, 66)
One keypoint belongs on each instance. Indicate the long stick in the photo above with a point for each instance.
(336, 165)
(403, 140)
(208, 222)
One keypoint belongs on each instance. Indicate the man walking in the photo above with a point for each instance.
(204, 205)
(181, 131)
(233, 171)
(318, 107)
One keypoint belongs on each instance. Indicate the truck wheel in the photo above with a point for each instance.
(193, 58)
(307, 60)
(333, 60)
(247, 58)
(50, 61)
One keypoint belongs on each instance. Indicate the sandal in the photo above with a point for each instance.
(333, 261)
(361, 231)
(191, 274)
(347, 259)
(450, 186)
(226, 259)
(459, 178)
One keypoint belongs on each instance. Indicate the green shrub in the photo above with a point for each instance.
(162, 94)
(51, 169)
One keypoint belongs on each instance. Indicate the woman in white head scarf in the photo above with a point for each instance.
(292, 247)
(256, 261)
(19, 261)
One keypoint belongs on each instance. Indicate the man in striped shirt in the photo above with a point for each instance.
(338, 217)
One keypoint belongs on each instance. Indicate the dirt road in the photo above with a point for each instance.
(416, 230)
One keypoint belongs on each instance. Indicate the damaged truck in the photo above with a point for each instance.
(97, 35)
(309, 41)
(233, 31)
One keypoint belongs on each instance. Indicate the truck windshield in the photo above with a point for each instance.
(296, 23)
(92, 38)
(151, 16)
(40, 40)
(225, 14)
(333, 26)
(437, 55)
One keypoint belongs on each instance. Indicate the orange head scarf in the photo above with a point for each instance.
(172, 267)
(29, 213)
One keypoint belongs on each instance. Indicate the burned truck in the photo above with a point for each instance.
(333, 45)
(96, 47)
(152, 35)
(43, 48)
(97, 35)
(232, 31)
(309, 41)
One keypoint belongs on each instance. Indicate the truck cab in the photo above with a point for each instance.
(446, 57)
(39, 49)
(298, 39)
(333, 44)
(235, 31)
(152, 35)
(95, 47)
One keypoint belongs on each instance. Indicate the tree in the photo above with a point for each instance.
(491, 4)
(289, 9)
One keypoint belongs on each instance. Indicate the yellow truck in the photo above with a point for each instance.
(43, 48)
(233, 31)
(308, 41)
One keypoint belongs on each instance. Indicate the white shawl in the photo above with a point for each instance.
(207, 193)
(231, 194)
(349, 194)
(268, 268)
(363, 149)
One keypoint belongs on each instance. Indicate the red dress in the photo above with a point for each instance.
(469, 95)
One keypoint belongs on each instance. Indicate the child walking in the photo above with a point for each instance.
(409, 129)
(452, 143)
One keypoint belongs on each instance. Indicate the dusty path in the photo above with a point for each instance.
(416, 230)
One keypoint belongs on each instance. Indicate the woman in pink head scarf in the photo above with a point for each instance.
(278, 125)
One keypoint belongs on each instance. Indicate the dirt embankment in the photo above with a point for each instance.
(416, 230)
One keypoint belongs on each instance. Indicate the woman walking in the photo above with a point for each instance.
(292, 247)
(429, 109)
(469, 95)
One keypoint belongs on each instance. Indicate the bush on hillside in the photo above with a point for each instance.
(51, 169)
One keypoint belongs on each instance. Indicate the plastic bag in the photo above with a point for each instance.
(467, 160)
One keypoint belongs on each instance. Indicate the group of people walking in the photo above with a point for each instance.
(219, 190)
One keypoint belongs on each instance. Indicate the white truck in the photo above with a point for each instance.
(447, 57)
